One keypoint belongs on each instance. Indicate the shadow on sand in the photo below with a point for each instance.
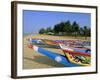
(44, 60)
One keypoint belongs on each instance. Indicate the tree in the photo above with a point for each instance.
(67, 27)
(42, 31)
(86, 31)
(56, 28)
(89, 31)
(75, 28)
(81, 31)
(63, 27)
(49, 29)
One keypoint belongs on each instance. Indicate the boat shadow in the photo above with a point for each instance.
(44, 60)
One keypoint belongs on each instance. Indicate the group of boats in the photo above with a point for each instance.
(75, 52)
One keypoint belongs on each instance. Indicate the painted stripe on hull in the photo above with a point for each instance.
(78, 53)
(54, 56)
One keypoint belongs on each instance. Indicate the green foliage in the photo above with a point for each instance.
(42, 31)
(49, 29)
(66, 28)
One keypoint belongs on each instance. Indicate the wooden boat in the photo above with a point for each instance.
(79, 58)
(76, 57)
(71, 56)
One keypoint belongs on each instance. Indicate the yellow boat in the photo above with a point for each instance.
(71, 58)
(50, 42)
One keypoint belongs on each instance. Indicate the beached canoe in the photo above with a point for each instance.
(80, 57)
(72, 56)
(54, 56)
(68, 60)
(55, 43)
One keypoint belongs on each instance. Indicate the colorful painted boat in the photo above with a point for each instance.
(68, 60)
(54, 56)
(44, 43)
(72, 56)
(73, 43)
(80, 60)
(76, 57)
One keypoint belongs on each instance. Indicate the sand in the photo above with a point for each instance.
(33, 59)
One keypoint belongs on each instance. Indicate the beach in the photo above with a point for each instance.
(33, 59)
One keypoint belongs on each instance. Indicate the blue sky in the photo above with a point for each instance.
(33, 21)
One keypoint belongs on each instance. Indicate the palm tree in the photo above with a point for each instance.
(86, 31)
(67, 27)
(75, 28)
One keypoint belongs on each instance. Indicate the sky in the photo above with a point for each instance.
(33, 21)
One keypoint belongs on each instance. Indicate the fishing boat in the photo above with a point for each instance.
(72, 56)
(76, 56)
